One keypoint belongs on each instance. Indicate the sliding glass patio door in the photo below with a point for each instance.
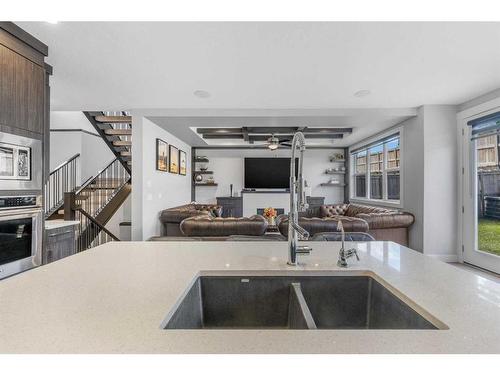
(481, 191)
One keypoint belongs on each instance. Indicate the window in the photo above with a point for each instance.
(360, 175)
(376, 170)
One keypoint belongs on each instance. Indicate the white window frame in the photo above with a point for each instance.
(384, 201)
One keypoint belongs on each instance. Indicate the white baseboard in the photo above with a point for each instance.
(447, 258)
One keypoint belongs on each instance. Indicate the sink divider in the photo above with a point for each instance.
(299, 315)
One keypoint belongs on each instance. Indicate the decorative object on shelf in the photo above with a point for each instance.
(203, 167)
(270, 214)
(198, 178)
(201, 159)
(338, 157)
(210, 181)
(182, 163)
(174, 159)
(161, 155)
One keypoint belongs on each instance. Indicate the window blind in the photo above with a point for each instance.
(485, 126)
(378, 142)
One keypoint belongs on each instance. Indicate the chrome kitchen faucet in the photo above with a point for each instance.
(297, 203)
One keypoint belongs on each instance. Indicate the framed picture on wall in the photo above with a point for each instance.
(182, 163)
(174, 159)
(161, 155)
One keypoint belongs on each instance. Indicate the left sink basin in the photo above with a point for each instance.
(241, 302)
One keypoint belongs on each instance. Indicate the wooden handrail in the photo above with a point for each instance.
(101, 227)
(65, 163)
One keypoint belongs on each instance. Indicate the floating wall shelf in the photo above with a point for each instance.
(336, 185)
(334, 172)
(203, 172)
(204, 184)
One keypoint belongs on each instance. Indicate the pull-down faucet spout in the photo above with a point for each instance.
(297, 202)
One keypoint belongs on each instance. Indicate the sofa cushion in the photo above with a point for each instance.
(329, 210)
(177, 214)
(208, 226)
(354, 209)
(387, 220)
(325, 224)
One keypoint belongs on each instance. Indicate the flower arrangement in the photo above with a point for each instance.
(269, 212)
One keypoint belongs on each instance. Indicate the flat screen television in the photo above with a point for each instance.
(268, 173)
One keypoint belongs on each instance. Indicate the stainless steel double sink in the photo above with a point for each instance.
(336, 301)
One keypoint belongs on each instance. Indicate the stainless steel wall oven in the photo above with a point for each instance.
(20, 232)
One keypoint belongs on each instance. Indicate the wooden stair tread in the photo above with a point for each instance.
(118, 131)
(122, 143)
(125, 153)
(114, 119)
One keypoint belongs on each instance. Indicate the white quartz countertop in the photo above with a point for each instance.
(113, 298)
(54, 224)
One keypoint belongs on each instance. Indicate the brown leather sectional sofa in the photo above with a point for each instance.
(204, 222)
(382, 223)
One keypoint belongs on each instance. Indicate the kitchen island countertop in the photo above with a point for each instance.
(113, 298)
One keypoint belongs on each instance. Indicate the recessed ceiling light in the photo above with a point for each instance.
(201, 94)
(362, 93)
(52, 22)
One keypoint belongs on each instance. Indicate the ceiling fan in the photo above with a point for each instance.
(274, 142)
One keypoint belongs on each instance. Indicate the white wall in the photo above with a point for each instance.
(412, 186)
(440, 192)
(94, 153)
(154, 191)
(228, 168)
(70, 120)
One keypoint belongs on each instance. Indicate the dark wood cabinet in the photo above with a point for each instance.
(59, 243)
(22, 92)
(231, 206)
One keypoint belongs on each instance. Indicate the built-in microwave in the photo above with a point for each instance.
(20, 234)
(20, 163)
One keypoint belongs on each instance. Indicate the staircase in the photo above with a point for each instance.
(115, 128)
(96, 200)
(94, 203)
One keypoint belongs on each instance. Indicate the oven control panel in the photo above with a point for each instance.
(18, 202)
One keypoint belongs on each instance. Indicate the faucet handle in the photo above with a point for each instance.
(304, 250)
(352, 252)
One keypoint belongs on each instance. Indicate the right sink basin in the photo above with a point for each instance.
(294, 302)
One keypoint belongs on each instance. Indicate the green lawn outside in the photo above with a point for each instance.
(489, 235)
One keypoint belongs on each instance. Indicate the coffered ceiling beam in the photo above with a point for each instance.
(328, 130)
(219, 131)
(222, 136)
